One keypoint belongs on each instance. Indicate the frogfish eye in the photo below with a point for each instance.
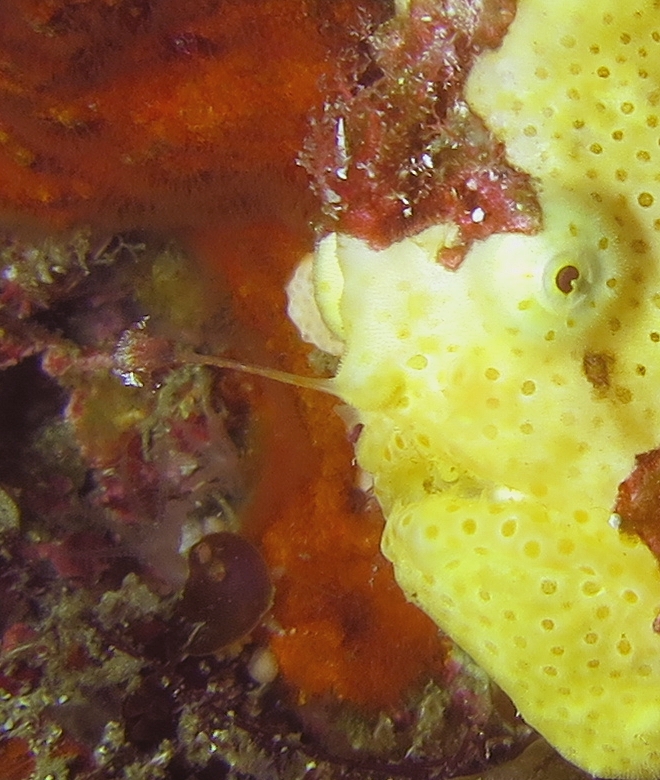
(566, 278)
(572, 279)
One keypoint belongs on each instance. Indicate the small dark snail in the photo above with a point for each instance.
(227, 592)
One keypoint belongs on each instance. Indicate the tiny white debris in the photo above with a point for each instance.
(263, 666)
(192, 531)
(615, 521)
(478, 215)
(342, 171)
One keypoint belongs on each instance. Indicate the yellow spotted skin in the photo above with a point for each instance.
(504, 403)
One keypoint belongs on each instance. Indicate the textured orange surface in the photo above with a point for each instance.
(347, 628)
(158, 113)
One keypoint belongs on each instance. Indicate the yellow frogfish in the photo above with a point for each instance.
(503, 403)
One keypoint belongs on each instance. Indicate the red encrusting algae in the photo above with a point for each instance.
(638, 501)
(396, 147)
